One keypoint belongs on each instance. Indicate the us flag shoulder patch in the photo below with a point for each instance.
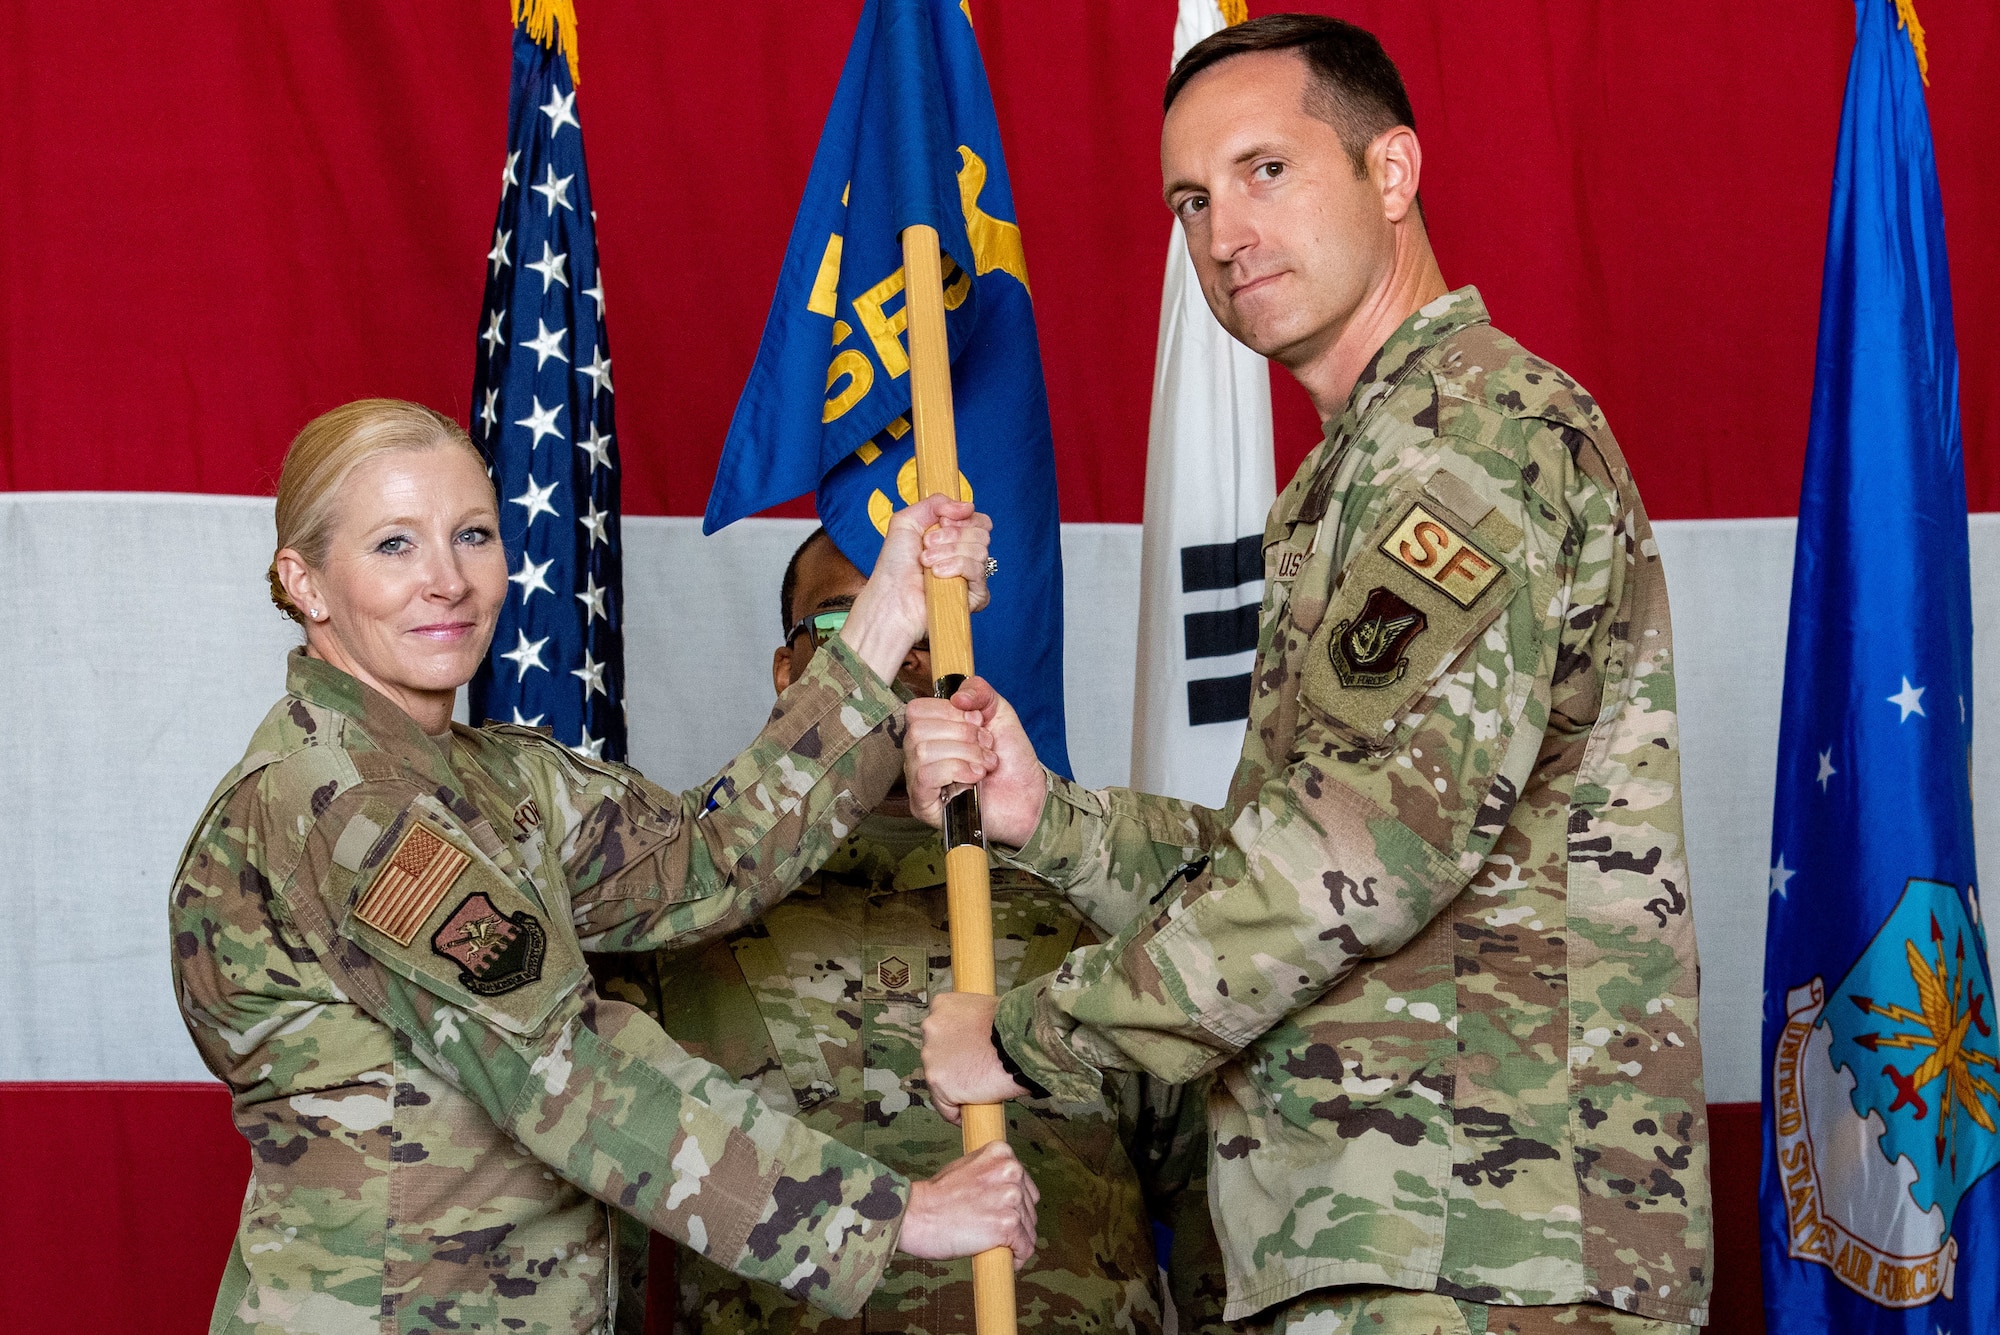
(417, 876)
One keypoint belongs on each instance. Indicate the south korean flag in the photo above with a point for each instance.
(1209, 484)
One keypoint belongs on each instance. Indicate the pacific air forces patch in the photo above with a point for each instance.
(1367, 651)
(1418, 591)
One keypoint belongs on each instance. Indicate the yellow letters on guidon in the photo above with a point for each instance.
(996, 244)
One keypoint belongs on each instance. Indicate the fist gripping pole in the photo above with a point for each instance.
(967, 892)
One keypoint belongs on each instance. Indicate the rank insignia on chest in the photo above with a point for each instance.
(1369, 650)
(1435, 552)
(893, 974)
(495, 952)
(418, 874)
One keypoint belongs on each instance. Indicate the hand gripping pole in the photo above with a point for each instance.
(967, 892)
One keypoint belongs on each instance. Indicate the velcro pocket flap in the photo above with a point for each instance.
(1423, 586)
(428, 905)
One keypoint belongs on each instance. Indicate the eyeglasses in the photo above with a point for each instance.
(823, 626)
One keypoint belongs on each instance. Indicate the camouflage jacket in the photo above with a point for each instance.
(818, 1007)
(377, 943)
(1439, 940)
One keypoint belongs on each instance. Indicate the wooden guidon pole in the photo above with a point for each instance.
(967, 892)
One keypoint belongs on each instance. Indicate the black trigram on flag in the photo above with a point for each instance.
(1208, 479)
(1221, 567)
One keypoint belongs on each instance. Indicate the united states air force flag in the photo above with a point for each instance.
(1880, 1207)
(541, 403)
(1210, 478)
(911, 138)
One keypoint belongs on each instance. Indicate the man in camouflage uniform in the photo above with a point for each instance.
(816, 1007)
(378, 945)
(1438, 942)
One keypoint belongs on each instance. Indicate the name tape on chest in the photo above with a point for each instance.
(417, 876)
(1434, 551)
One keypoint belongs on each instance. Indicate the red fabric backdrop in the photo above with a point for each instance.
(220, 219)
(223, 218)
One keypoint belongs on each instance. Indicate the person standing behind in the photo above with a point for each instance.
(816, 1007)
(1439, 940)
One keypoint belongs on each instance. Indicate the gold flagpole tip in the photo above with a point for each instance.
(552, 23)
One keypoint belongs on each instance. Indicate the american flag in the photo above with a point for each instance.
(541, 413)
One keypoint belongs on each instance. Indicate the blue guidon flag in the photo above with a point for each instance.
(911, 138)
(1880, 1208)
(541, 413)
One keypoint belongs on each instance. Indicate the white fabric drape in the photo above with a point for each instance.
(138, 650)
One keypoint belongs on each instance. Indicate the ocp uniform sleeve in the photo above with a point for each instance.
(435, 941)
(647, 867)
(1399, 781)
(1165, 1130)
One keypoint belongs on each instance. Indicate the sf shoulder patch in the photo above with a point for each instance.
(495, 952)
(419, 873)
(1432, 549)
(1418, 591)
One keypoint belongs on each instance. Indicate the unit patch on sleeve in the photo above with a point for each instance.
(417, 876)
(1435, 552)
(1419, 589)
(1368, 649)
(495, 952)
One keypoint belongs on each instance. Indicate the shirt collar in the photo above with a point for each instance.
(900, 852)
(1430, 325)
(1400, 354)
(318, 682)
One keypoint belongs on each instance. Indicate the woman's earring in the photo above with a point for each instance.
(318, 614)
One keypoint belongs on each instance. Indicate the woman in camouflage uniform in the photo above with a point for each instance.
(378, 933)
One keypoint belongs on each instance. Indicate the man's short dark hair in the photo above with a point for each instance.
(789, 587)
(1354, 86)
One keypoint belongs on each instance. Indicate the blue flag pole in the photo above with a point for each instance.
(1880, 1210)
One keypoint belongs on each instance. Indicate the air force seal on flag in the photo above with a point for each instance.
(1886, 1103)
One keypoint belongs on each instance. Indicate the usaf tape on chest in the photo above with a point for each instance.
(1424, 584)
(430, 905)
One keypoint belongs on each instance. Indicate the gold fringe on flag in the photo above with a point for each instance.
(1233, 11)
(1906, 17)
(550, 22)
